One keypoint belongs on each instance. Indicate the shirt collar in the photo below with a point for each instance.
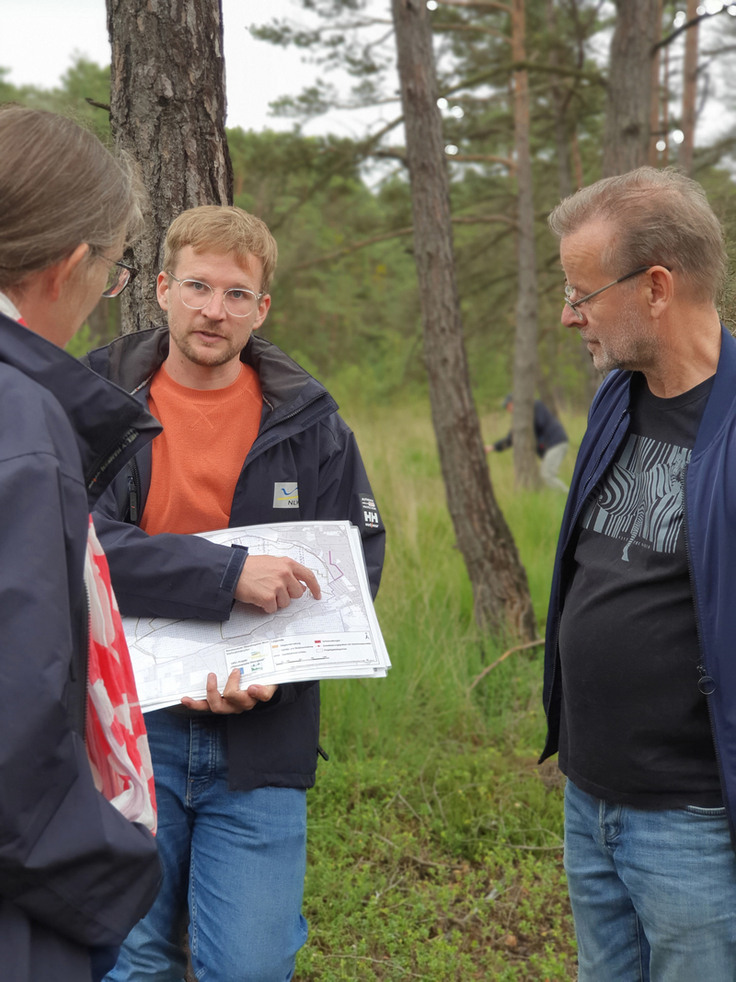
(8, 308)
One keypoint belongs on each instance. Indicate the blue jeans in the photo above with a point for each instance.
(653, 892)
(236, 858)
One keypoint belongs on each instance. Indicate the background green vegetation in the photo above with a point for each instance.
(349, 311)
(434, 839)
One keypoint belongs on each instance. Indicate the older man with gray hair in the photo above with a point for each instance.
(640, 676)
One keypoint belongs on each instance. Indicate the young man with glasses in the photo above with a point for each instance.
(640, 676)
(245, 429)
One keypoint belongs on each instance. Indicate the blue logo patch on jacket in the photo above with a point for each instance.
(286, 494)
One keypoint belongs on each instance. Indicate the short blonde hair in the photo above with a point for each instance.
(225, 230)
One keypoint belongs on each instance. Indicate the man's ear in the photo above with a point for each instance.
(660, 290)
(55, 278)
(162, 290)
(263, 308)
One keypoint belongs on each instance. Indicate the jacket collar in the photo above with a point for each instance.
(110, 425)
(719, 409)
(287, 388)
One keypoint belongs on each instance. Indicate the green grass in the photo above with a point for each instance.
(434, 841)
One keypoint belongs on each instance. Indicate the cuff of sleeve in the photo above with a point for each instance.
(234, 568)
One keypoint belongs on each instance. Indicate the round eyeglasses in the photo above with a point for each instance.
(574, 304)
(237, 300)
(118, 278)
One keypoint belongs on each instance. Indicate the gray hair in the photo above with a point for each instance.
(59, 187)
(659, 218)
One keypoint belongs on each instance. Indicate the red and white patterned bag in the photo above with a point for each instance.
(117, 744)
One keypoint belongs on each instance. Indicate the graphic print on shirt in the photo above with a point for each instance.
(640, 499)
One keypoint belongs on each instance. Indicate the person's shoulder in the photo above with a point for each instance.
(23, 396)
(39, 423)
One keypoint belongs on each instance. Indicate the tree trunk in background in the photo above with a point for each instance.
(562, 135)
(655, 96)
(626, 137)
(526, 469)
(168, 113)
(568, 152)
(500, 589)
(689, 91)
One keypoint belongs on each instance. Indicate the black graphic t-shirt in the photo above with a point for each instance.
(635, 727)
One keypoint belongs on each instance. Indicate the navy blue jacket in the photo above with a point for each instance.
(301, 440)
(710, 537)
(75, 875)
(548, 431)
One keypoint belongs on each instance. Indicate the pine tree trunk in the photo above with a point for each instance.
(525, 340)
(500, 589)
(168, 114)
(626, 138)
(655, 96)
(689, 91)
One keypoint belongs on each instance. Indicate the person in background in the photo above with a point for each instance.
(640, 675)
(77, 866)
(552, 443)
(249, 438)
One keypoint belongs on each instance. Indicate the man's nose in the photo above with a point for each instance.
(215, 306)
(569, 316)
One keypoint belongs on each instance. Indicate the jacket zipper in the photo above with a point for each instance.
(128, 437)
(134, 492)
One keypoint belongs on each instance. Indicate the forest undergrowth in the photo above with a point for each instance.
(435, 840)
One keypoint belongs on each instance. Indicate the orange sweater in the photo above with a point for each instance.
(198, 458)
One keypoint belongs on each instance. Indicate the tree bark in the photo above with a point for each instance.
(626, 137)
(168, 113)
(562, 135)
(655, 95)
(689, 90)
(525, 339)
(500, 589)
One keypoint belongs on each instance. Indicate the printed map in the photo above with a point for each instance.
(337, 636)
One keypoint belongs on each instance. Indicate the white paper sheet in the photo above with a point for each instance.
(337, 636)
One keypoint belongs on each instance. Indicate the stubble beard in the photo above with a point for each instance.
(633, 348)
(203, 357)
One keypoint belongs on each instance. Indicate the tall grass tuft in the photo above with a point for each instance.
(434, 841)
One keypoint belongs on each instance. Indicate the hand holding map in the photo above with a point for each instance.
(337, 636)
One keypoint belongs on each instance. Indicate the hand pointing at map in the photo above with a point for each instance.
(277, 632)
(271, 582)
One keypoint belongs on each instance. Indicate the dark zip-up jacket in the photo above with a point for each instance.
(75, 875)
(548, 431)
(710, 537)
(302, 440)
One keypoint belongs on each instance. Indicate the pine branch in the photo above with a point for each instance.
(477, 28)
(399, 233)
(519, 647)
(480, 4)
(97, 105)
(685, 27)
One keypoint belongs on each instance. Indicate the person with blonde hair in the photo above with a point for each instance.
(78, 864)
(249, 438)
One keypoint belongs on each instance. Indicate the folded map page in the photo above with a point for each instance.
(337, 636)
